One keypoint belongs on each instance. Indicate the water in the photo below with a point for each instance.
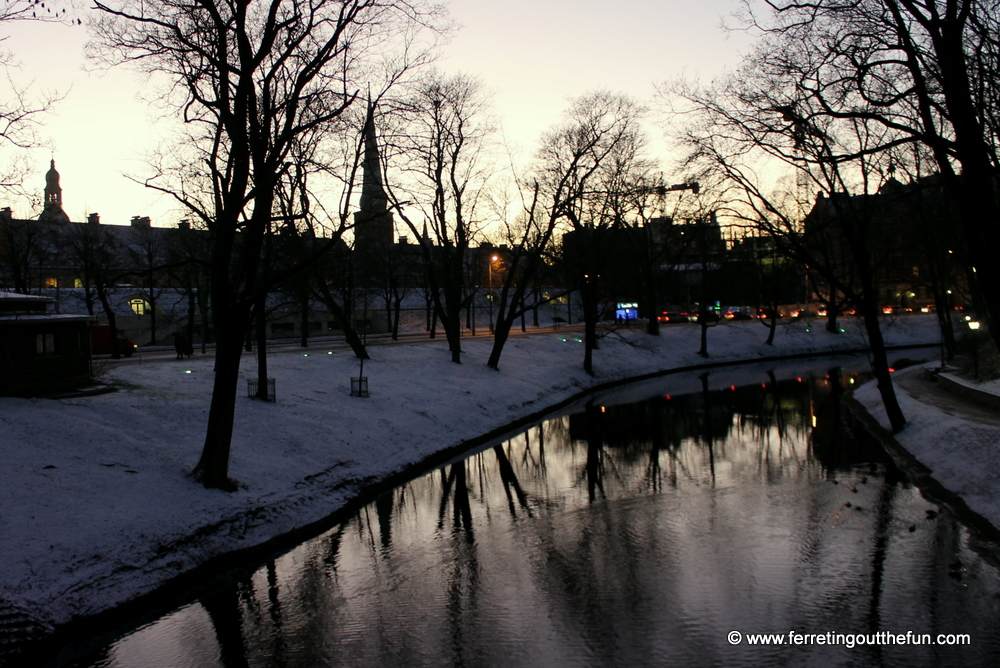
(626, 534)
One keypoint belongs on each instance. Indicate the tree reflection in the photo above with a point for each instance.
(510, 482)
(622, 535)
(595, 454)
(226, 614)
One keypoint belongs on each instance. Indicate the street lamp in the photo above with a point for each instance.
(489, 297)
(974, 326)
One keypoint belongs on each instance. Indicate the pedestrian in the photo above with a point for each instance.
(180, 345)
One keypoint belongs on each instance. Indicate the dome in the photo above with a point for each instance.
(52, 176)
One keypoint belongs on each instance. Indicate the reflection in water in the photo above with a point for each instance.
(632, 534)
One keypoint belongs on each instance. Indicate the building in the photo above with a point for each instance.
(41, 352)
(910, 232)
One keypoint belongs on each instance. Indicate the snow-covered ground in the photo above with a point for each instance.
(96, 505)
(958, 441)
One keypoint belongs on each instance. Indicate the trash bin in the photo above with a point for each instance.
(253, 386)
(359, 386)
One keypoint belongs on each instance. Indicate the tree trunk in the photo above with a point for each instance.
(429, 326)
(977, 199)
(350, 334)
(397, 305)
(500, 335)
(203, 307)
(261, 349)
(213, 467)
(652, 309)
(831, 313)
(703, 324)
(102, 294)
(304, 315)
(452, 332)
(190, 322)
(943, 308)
(152, 317)
(588, 295)
(880, 367)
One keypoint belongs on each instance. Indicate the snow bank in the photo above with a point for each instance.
(97, 506)
(960, 447)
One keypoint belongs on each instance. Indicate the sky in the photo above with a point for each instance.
(533, 56)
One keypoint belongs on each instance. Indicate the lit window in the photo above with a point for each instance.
(77, 282)
(51, 283)
(45, 344)
(139, 306)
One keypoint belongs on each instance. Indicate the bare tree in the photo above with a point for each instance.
(529, 239)
(585, 172)
(444, 170)
(748, 119)
(188, 264)
(21, 109)
(22, 246)
(249, 80)
(148, 253)
(93, 249)
(924, 72)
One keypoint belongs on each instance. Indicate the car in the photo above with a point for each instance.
(673, 317)
(100, 342)
(738, 313)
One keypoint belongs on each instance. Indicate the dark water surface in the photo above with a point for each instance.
(627, 534)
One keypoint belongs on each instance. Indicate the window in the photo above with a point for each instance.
(45, 344)
(51, 283)
(77, 283)
(139, 306)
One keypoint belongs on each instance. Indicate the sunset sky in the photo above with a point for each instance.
(533, 56)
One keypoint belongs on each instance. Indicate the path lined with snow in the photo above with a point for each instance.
(96, 506)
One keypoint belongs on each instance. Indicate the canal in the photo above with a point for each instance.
(640, 529)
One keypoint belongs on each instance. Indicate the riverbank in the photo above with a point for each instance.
(952, 435)
(97, 506)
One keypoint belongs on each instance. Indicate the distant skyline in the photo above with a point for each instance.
(534, 57)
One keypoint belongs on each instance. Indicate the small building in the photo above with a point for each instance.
(41, 352)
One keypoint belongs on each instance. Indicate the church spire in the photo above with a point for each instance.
(52, 210)
(373, 227)
(373, 197)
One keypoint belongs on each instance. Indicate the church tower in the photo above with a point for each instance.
(53, 211)
(373, 228)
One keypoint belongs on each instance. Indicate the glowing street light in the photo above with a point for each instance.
(489, 297)
(974, 325)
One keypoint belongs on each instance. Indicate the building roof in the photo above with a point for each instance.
(18, 295)
(45, 317)
(13, 302)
